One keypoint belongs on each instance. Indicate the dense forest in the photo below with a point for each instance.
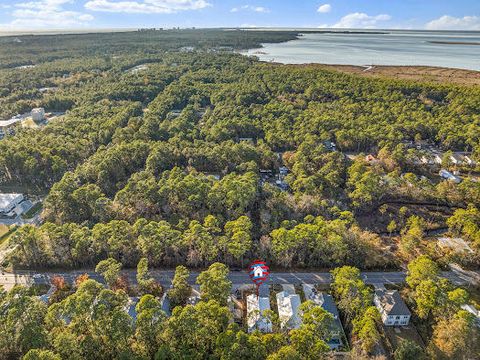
(171, 149)
(169, 135)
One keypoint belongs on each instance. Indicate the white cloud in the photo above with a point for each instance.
(325, 8)
(259, 9)
(447, 22)
(45, 14)
(146, 6)
(361, 21)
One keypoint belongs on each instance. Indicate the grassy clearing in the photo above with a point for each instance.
(5, 235)
(396, 335)
(3, 230)
(36, 208)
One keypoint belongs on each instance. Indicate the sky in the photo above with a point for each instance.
(361, 14)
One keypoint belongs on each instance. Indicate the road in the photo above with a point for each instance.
(164, 277)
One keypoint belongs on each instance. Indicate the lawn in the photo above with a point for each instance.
(6, 232)
(33, 211)
(395, 335)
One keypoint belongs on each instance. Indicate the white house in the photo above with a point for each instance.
(392, 308)
(256, 305)
(456, 159)
(447, 175)
(8, 202)
(437, 158)
(468, 160)
(288, 305)
(38, 114)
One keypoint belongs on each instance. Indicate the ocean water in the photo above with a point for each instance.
(389, 48)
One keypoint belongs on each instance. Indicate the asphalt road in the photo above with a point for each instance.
(164, 277)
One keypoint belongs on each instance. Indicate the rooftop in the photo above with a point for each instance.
(392, 302)
(288, 305)
(7, 199)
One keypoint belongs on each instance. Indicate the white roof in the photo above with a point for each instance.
(311, 294)
(7, 199)
(256, 320)
(288, 305)
(454, 243)
(471, 309)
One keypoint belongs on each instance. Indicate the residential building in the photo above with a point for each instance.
(456, 159)
(38, 114)
(330, 145)
(8, 202)
(246, 139)
(195, 298)
(327, 303)
(165, 304)
(256, 305)
(288, 304)
(283, 170)
(131, 307)
(468, 160)
(447, 175)
(455, 244)
(392, 308)
(430, 158)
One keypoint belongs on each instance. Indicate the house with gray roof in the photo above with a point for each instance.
(392, 308)
(256, 307)
(327, 303)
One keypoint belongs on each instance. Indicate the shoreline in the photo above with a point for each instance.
(424, 73)
(454, 42)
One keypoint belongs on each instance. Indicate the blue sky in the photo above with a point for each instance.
(78, 14)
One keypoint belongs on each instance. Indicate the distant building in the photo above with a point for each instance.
(288, 305)
(187, 49)
(468, 160)
(431, 158)
(283, 170)
(256, 305)
(195, 298)
(131, 307)
(45, 298)
(38, 114)
(392, 308)
(8, 202)
(329, 145)
(165, 304)
(456, 244)
(447, 175)
(456, 159)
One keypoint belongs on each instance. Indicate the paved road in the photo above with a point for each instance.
(164, 277)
